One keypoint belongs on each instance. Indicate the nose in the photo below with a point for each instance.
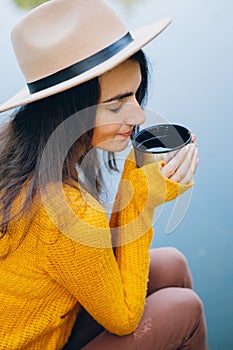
(134, 113)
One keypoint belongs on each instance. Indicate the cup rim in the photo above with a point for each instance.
(138, 145)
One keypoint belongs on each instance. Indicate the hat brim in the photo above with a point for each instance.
(141, 37)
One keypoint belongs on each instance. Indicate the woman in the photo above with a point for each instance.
(70, 277)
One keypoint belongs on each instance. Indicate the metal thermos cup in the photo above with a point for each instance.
(159, 142)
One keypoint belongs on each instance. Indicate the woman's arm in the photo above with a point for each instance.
(88, 268)
(140, 191)
(111, 289)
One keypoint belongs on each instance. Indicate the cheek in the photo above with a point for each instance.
(105, 124)
(103, 117)
(104, 132)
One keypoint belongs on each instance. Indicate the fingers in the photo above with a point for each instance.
(185, 173)
(182, 167)
(171, 167)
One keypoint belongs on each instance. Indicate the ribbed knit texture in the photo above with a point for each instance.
(50, 274)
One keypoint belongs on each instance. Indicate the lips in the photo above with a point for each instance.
(126, 134)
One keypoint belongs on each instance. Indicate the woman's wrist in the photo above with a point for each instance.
(149, 184)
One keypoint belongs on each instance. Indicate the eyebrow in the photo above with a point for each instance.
(118, 97)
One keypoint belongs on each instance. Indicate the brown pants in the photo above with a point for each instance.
(173, 317)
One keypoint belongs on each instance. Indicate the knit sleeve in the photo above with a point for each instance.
(140, 191)
(158, 184)
(78, 255)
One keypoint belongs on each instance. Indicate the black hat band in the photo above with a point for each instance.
(81, 66)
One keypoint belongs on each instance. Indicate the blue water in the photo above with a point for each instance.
(192, 84)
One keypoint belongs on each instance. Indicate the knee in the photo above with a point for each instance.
(168, 268)
(190, 307)
(179, 267)
(195, 309)
(177, 257)
(186, 302)
(193, 301)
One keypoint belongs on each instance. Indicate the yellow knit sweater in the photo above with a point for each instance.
(63, 263)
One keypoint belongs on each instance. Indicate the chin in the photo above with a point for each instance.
(116, 146)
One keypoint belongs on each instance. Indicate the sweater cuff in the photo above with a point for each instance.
(149, 185)
(174, 189)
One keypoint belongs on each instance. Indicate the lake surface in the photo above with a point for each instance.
(192, 84)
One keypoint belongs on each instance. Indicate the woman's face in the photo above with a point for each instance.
(118, 110)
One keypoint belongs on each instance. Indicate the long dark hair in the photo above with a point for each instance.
(25, 138)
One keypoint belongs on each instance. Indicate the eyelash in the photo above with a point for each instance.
(116, 110)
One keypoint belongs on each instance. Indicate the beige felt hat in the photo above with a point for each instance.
(63, 43)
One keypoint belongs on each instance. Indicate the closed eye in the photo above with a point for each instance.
(115, 107)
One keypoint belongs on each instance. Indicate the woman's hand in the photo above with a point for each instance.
(181, 168)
